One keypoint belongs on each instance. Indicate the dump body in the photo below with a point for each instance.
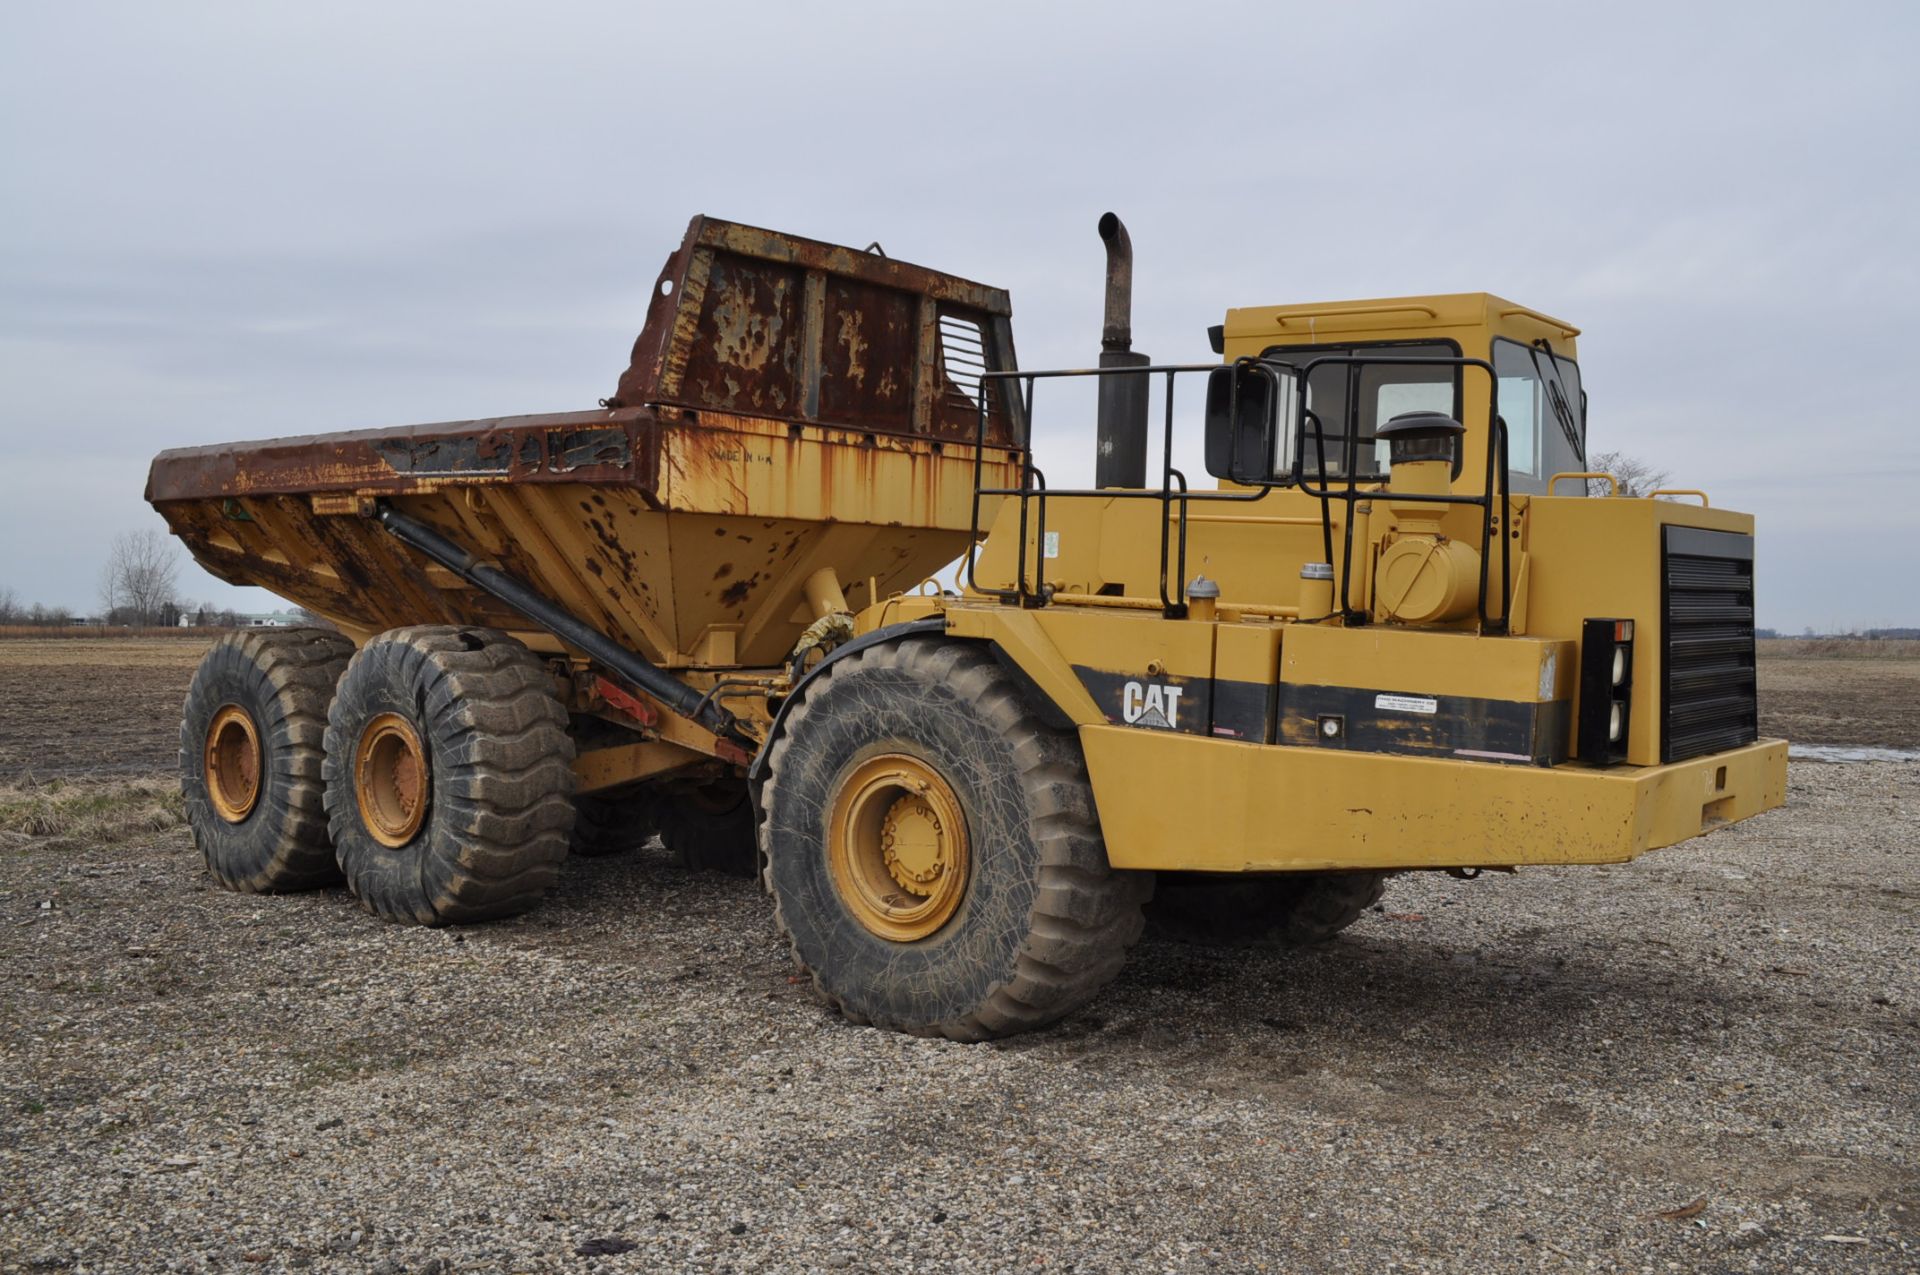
(789, 406)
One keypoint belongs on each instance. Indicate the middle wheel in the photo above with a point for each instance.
(932, 848)
(448, 776)
(708, 825)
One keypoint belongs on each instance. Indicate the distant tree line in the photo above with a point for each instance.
(13, 611)
(139, 588)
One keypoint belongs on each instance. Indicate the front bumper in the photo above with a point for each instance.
(1187, 803)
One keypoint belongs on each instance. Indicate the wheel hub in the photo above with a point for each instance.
(898, 848)
(390, 779)
(233, 763)
(912, 842)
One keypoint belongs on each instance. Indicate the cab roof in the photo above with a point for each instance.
(1454, 315)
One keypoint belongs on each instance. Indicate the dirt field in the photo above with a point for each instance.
(99, 706)
(1708, 1060)
(1840, 700)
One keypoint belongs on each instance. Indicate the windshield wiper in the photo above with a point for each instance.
(1557, 397)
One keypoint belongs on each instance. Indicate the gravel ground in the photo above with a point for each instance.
(1701, 1061)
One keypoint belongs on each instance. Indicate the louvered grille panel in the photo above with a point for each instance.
(1709, 699)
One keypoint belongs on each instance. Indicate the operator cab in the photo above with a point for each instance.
(1366, 362)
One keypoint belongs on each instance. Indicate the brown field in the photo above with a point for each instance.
(1825, 692)
(103, 706)
(92, 633)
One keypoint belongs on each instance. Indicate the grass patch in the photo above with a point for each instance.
(91, 811)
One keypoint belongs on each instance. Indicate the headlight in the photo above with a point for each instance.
(1606, 692)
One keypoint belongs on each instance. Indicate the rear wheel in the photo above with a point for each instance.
(932, 848)
(709, 826)
(250, 758)
(613, 822)
(1294, 910)
(449, 776)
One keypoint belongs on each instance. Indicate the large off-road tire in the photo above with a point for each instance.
(250, 757)
(709, 826)
(449, 778)
(933, 851)
(613, 822)
(1294, 910)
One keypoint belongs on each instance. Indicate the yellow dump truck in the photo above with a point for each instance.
(1397, 633)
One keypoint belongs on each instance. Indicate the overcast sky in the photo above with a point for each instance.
(228, 221)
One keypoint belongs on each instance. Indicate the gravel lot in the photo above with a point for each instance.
(1705, 1060)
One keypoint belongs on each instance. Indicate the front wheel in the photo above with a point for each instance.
(932, 848)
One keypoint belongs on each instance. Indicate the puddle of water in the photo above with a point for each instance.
(1849, 753)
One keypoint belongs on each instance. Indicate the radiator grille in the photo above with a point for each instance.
(1709, 700)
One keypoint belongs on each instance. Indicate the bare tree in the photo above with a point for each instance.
(140, 584)
(1637, 477)
(9, 607)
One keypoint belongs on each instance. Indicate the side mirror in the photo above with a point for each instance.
(1244, 409)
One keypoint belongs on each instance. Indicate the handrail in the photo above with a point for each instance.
(1174, 494)
(1173, 490)
(1613, 484)
(1547, 319)
(1316, 315)
(1497, 474)
(1681, 491)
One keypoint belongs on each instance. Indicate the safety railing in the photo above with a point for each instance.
(1495, 481)
(1029, 589)
(1033, 493)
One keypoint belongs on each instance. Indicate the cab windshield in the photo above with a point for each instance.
(1546, 415)
(1381, 391)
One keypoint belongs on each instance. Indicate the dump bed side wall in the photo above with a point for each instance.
(687, 540)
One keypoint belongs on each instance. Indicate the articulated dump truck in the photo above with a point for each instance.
(1404, 629)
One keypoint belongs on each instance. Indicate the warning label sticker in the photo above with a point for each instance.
(1406, 704)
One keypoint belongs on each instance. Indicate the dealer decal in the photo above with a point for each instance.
(1406, 704)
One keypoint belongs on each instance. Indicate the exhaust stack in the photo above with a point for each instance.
(1121, 456)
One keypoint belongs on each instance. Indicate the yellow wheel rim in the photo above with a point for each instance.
(233, 763)
(897, 847)
(390, 779)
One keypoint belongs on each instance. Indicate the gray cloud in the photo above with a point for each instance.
(242, 220)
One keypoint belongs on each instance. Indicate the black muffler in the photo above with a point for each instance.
(1121, 434)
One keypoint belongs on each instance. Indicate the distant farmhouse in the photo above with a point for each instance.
(251, 620)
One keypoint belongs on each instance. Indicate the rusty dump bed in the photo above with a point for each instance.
(790, 405)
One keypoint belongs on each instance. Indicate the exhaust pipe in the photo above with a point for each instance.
(1117, 336)
(1121, 434)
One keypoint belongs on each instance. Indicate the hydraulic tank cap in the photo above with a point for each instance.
(1316, 590)
(1203, 599)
